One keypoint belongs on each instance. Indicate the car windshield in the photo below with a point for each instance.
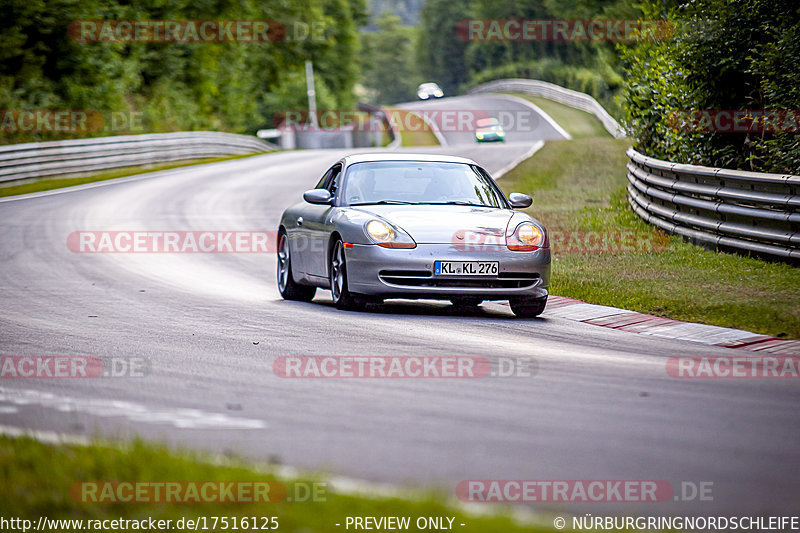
(487, 122)
(418, 182)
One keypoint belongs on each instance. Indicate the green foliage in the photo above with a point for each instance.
(455, 63)
(441, 51)
(726, 55)
(174, 86)
(388, 61)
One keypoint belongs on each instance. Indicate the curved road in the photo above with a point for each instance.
(600, 405)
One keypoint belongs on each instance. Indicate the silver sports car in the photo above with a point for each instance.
(381, 226)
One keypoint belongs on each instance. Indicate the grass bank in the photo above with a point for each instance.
(414, 131)
(44, 480)
(580, 185)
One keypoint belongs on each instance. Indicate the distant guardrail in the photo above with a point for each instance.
(59, 158)
(748, 211)
(575, 99)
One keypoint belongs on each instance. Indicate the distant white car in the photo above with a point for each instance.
(429, 90)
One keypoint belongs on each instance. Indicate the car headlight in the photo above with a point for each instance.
(527, 237)
(380, 231)
(386, 236)
(479, 135)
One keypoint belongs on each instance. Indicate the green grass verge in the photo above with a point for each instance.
(413, 130)
(580, 185)
(46, 184)
(37, 478)
(578, 123)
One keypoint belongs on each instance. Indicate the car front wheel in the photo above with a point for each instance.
(286, 285)
(524, 306)
(342, 297)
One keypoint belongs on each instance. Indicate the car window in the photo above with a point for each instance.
(333, 179)
(330, 179)
(323, 179)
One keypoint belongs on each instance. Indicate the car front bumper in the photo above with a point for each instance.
(402, 273)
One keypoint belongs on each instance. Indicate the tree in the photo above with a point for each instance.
(441, 50)
(726, 55)
(389, 66)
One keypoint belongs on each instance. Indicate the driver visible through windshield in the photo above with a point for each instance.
(416, 182)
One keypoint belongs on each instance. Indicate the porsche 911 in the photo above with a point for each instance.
(383, 226)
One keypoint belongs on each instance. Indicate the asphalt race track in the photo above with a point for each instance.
(599, 406)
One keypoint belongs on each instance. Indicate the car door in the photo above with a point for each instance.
(299, 238)
(318, 228)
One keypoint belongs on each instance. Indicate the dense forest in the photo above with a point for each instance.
(171, 86)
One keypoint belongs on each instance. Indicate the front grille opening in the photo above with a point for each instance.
(424, 278)
(519, 275)
(406, 273)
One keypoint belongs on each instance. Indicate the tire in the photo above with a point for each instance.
(526, 307)
(286, 285)
(337, 273)
(466, 302)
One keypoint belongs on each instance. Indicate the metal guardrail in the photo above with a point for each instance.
(748, 211)
(58, 158)
(575, 99)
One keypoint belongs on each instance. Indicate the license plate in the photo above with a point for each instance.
(466, 268)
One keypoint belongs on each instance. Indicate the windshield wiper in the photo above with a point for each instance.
(385, 202)
(457, 203)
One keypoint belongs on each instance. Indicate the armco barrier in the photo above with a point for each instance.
(558, 94)
(748, 211)
(57, 158)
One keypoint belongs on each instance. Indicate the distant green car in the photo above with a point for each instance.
(489, 130)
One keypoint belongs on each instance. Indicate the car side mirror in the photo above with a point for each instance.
(317, 196)
(519, 200)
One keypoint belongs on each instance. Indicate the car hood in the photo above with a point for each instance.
(439, 224)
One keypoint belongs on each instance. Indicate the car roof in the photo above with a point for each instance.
(433, 158)
(487, 122)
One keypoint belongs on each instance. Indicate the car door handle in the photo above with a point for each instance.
(299, 221)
